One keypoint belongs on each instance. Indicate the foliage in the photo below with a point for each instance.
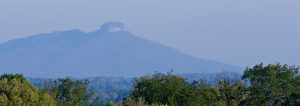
(230, 94)
(104, 89)
(16, 91)
(173, 90)
(273, 84)
(161, 89)
(68, 92)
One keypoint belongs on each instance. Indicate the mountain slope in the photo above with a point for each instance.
(109, 51)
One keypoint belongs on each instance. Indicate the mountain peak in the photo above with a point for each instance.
(106, 52)
(113, 27)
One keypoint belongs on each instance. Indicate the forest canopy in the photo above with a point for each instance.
(273, 84)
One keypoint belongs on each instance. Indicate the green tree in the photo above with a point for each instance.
(295, 96)
(230, 93)
(68, 92)
(273, 84)
(226, 92)
(15, 90)
(205, 93)
(163, 89)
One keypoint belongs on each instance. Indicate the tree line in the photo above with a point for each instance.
(266, 85)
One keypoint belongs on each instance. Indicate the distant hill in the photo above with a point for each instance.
(109, 51)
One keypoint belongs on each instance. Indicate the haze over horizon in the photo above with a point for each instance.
(238, 32)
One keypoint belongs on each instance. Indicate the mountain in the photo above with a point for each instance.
(109, 51)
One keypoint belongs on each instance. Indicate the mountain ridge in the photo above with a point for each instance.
(109, 51)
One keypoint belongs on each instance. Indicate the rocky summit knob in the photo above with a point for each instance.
(113, 27)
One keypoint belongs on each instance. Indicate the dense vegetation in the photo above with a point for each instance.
(16, 91)
(105, 89)
(273, 84)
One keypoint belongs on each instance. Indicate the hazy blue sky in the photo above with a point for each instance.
(239, 32)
